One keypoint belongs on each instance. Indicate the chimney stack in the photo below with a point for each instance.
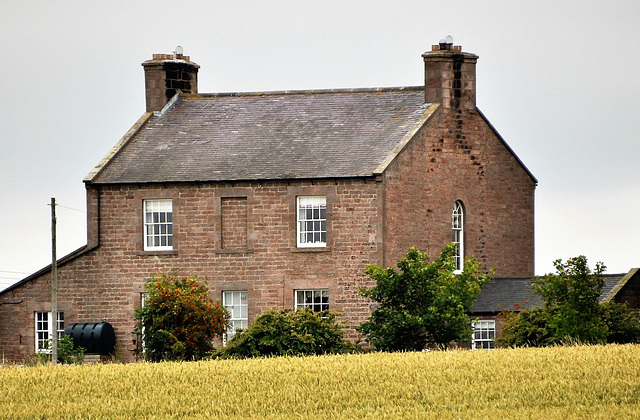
(167, 74)
(450, 76)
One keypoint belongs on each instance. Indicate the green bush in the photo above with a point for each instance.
(527, 329)
(622, 322)
(424, 303)
(67, 353)
(288, 332)
(179, 320)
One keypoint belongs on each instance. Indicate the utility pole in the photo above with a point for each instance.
(54, 286)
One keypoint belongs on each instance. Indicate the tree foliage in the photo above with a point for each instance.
(423, 303)
(288, 333)
(623, 323)
(179, 320)
(571, 297)
(571, 312)
(527, 328)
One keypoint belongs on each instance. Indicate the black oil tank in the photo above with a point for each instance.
(95, 337)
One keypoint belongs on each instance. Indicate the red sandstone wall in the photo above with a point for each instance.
(105, 284)
(457, 156)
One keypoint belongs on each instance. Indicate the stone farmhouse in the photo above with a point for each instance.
(280, 199)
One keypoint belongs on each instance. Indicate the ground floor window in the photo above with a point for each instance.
(316, 299)
(484, 335)
(44, 330)
(236, 303)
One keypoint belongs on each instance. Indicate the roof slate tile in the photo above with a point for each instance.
(280, 135)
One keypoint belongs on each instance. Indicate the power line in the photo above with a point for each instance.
(70, 208)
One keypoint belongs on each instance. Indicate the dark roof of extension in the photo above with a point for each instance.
(262, 136)
(516, 293)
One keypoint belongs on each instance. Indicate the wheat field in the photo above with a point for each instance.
(548, 383)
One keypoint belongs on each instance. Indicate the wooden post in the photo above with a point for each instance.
(54, 286)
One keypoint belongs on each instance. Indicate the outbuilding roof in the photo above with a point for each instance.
(262, 136)
(516, 293)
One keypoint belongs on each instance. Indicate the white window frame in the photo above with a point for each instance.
(237, 303)
(484, 335)
(158, 225)
(44, 330)
(315, 299)
(457, 235)
(311, 218)
(143, 343)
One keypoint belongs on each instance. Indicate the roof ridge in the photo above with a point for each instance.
(302, 92)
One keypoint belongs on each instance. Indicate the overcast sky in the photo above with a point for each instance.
(558, 80)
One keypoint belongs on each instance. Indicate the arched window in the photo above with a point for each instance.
(457, 234)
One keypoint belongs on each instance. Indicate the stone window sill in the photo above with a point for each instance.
(312, 249)
(159, 253)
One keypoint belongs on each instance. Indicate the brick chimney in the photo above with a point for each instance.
(450, 76)
(167, 74)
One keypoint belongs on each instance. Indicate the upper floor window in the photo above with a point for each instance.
(484, 335)
(312, 221)
(315, 299)
(44, 330)
(158, 225)
(457, 234)
(236, 303)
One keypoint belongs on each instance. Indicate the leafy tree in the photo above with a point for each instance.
(179, 320)
(424, 303)
(572, 311)
(287, 332)
(571, 295)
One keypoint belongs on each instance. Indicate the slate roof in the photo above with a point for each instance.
(516, 293)
(261, 136)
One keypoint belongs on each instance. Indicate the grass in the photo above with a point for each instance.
(549, 383)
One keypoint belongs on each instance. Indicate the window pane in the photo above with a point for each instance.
(158, 216)
(236, 304)
(312, 220)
